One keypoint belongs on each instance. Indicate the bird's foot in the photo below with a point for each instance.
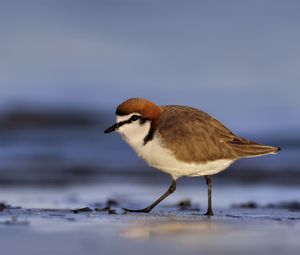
(209, 213)
(145, 210)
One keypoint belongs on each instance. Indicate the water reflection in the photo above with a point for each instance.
(172, 228)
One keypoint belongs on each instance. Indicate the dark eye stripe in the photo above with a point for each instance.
(131, 119)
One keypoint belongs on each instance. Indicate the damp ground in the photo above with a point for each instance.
(89, 219)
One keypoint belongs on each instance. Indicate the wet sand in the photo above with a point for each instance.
(230, 231)
(177, 226)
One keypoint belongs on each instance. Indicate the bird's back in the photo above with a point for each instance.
(195, 136)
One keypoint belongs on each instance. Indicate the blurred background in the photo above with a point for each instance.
(66, 65)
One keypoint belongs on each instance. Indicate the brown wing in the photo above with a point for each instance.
(201, 138)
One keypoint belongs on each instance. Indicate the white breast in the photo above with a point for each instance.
(158, 156)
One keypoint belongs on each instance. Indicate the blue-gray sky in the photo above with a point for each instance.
(239, 60)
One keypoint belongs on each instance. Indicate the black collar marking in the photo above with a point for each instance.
(150, 135)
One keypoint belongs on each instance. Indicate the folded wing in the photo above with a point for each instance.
(201, 138)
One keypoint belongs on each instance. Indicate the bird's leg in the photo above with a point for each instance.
(170, 190)
(209, 186)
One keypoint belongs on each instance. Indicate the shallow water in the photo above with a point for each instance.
(137, 194)
(65, 155)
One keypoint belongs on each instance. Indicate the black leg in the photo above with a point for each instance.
(209, 186)
(171, 189)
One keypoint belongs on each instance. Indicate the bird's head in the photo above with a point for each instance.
(134, 118)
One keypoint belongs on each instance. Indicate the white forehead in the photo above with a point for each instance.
(126, 117)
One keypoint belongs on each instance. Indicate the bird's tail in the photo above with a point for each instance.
(245, 148)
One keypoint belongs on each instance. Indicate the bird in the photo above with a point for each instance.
(181, 141)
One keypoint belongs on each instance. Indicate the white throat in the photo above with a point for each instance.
(134, 132)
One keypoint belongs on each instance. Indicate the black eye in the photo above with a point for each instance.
(135, 117)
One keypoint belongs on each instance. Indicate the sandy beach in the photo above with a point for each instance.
(90, 220)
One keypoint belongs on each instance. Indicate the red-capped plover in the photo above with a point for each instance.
(181, 141)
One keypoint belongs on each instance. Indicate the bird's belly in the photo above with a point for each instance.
(163, 159)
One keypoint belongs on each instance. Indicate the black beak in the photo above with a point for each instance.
(112, 128)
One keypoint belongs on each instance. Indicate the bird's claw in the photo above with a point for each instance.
(145, 210)
(209, 213)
